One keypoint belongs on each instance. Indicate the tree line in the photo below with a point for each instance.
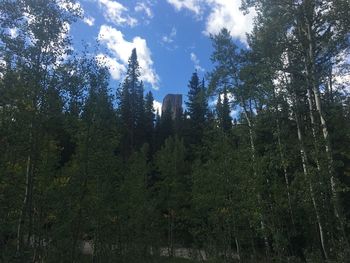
(81, 161)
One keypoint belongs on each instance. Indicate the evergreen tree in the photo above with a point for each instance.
(223, 112)
(136, 212)
(165, 126)
(149, 119)
(174, 191)
(197, 108)
(81, 180)
(131, 106)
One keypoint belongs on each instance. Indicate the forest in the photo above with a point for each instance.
(84, 163)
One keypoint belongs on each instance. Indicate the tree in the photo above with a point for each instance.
(91, 176)
(149, 120)
(223, 112)
(313, 32)
(31, 57)
(222, 205)
(197, 108)
(165, 127)
(173, 190)
(131, 105)
(136, 215)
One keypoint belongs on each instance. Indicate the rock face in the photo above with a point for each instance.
(174, 103)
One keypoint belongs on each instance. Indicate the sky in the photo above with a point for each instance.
(171, 37)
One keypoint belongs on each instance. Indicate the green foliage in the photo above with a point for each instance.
(131, 107)
(197, 109)
(79, 167)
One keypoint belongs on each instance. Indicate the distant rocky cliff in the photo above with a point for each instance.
(174, 103)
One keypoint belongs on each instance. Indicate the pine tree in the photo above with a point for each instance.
(197, 108)
(92, 173)
(223, 112)
(174, 190)
(149, 119)
(166, 126)
(131, 106)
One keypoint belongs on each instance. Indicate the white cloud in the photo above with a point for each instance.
(114, 12)
(226, 13)
(341, 71)
(144, 7)
(230, 97)
(169, 38)
(221, 13)
(121, 51)
(342, 80)
(115, 68)
(192, 5)
(2, 67)
(196, 62)
(90, 21)
(13, 32)
(67, 5)
(234, 111)
(157, 106)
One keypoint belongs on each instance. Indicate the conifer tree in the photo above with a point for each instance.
(166, 126)
(131, 105)
(89, 177)
(197, 107)
(174, 190)
(223, 112)
(75, 171)
(149, 119)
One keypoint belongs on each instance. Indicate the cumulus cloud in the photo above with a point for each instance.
(89, 20)
(221, 13)
(230, 97)
(234, 111)
(341, 72)
(144, 7)
(226, 13)
(196, 62)
(115, 68)
(192, 5)
(115, 13)
(341, 79)
(121, 49)
(169, 38)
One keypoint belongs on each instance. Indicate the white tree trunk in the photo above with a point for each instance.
(24, 209)
(252, 149)
(316, 92)
(284, 164)
(304, 160)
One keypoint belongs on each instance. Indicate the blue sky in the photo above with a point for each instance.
(171, 37)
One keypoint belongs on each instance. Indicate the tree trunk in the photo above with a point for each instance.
(252, 149)
(27, 193)
(24, 209)
(305, 165)
(310, 58)
(313, 129)
(238, 250)
(284, 163)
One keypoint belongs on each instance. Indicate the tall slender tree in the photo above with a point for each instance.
(223, 111)
(197, 107)
(149, 119)
(131, 105)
